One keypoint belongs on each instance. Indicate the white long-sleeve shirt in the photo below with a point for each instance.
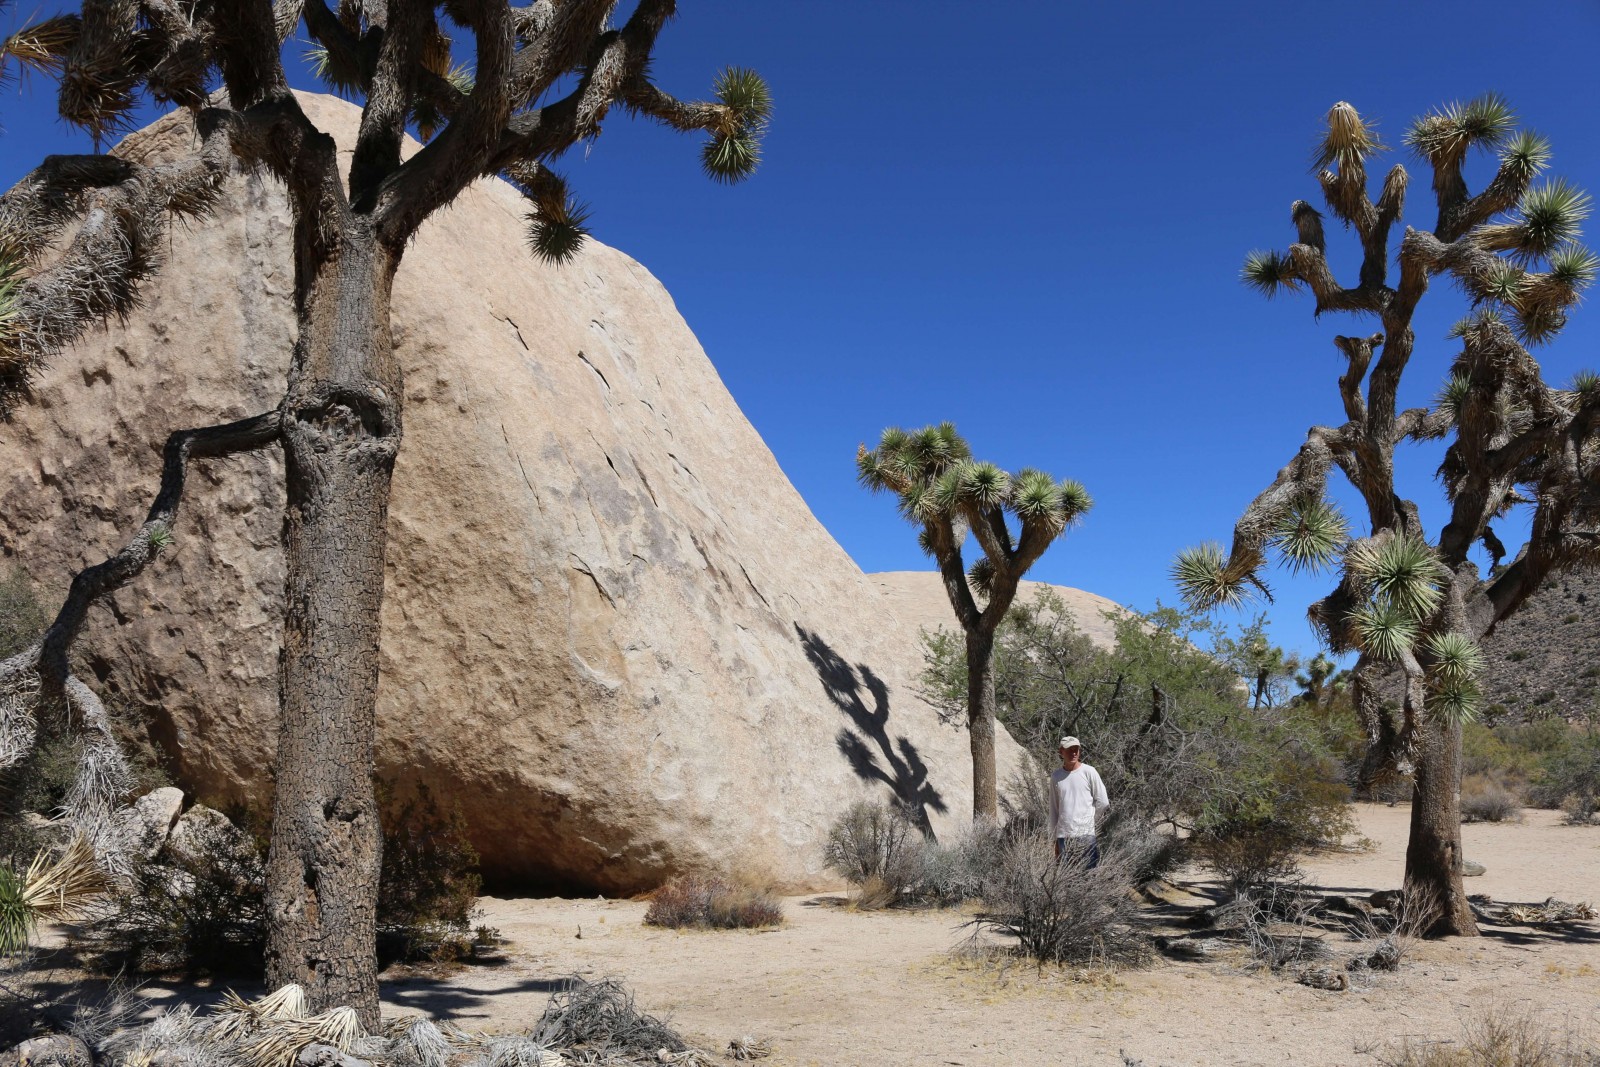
(1076, 799)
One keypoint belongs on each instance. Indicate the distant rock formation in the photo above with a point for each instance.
(1545, 659)
(613, 631)
(919, 598)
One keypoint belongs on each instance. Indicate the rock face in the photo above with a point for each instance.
(1545, 659)
(918, 597)
(613, 632)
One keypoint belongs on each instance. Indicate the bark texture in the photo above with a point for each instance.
(341, 436)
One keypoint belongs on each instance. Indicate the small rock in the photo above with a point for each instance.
(1469, 869)
(1330, 978)
(152, 817)
(57, 1050)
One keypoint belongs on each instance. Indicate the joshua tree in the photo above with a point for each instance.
(80, 233)
(1407, 604)
(947, 493)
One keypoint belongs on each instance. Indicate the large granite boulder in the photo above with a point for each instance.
(613, 632)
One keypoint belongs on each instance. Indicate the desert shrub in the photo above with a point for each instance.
(1484, 799)
(710, 903)
(428, 885)
(1501, 1037)
(1166, 725)
(1253, 838)
(954, 872)
(1570, 778)
(196, 908)
(1516, 655)
(22, 616)
(875, 845)
(1061, 910)
(1277, 924)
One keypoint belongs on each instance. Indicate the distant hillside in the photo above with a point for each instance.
(1546, 658)
(919, 599)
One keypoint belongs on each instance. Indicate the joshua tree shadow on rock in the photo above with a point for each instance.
(873, 755)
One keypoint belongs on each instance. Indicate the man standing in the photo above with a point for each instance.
(1077, 799)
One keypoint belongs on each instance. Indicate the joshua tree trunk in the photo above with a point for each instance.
(981, 724)
(1433, 856)
(341, 432)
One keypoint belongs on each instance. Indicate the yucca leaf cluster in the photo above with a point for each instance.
(733, 152)
(935, 479)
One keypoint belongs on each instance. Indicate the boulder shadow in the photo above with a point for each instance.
(866, 743)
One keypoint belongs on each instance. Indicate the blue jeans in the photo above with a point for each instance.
(1071, 847)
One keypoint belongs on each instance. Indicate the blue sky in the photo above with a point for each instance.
(1029, 218)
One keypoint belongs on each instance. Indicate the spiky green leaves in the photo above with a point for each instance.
(1383, 630)
(1443, 135)
(1310, 535)
(1525, 155)
(981, 577)
(1455, 664)
(1348, 142)
(734, 152)
(342, 78)
(1550, 216)
(1452, 395)
(557, 223)
(1400, 571)
(16, 918)
(1203, 579)
(158, 537)
(1585, 385)
(1573, 268)
(932, 473)
(1268, 272)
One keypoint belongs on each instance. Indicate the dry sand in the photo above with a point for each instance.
(837, 988)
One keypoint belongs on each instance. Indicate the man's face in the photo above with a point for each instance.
(1070, 757)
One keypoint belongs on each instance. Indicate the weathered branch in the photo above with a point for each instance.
(40, 675)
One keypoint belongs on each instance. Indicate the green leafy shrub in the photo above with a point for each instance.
(709, 903)
(1181, 745)
(22, 616)
(1570, 779)
(429, 883)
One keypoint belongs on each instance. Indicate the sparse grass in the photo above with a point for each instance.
(1502, 1037)
(704, 902)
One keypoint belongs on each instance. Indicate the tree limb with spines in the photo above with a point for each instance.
(1415, 603)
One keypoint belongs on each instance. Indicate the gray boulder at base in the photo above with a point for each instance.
(613, 632)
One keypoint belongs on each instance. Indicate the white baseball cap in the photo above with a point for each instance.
(1071, 742)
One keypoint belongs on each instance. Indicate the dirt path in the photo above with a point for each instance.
(835, 988)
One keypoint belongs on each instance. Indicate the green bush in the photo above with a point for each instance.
(1570, 779)
(22, 616)
(1167, 725)
(708, 903)
(428, 888)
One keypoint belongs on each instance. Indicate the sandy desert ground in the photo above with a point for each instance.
(838, 988)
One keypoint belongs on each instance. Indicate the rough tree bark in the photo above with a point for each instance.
(341, 434)
(981, 724)
(544, 76)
